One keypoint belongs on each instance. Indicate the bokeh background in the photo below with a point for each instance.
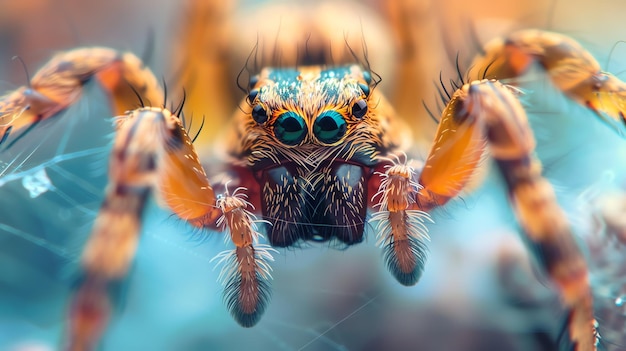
(479, 290)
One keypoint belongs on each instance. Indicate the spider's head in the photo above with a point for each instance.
(311, 136)
(311, 105)
(310, 114)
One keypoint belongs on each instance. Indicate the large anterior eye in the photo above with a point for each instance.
(290, 128)
(329, 127)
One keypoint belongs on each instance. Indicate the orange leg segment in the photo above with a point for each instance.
(58, 85)
(496, 116)
(570, 67)
(152, 153)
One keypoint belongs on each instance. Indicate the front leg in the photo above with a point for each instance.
(479, 114)
(153, 154)
(401, 231)
(497, 113)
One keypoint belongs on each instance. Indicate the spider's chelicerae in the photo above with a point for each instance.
(315, 153)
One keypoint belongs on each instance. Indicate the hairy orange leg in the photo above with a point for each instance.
(57, 86)
(153, 154)
(488, 113)
(406, 199)
(571, 68)
(402, 232)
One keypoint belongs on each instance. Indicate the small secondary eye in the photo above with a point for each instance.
(290, 128)
(259, 114)
(253, 80)
(252, 95)
(329, 127)
(359, 109)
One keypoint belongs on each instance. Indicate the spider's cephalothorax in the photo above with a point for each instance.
(312, 137)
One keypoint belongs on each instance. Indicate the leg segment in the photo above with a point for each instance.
(114, 238)
(401, 231)
(492, 113)
(153, 154)
(245, 270)
(570, 67)
(59, 83)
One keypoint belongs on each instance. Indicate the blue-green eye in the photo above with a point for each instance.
(329, 127)
(290, 128)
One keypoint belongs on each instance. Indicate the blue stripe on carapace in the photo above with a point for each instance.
(335, 72)
(284, 74)
(288, 81)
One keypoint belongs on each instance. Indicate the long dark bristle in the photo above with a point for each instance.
(454, 84)
(610, 56)
(486, 69)
(443, 98)
(430, 113)
(164, 92)
(458, 70)
(364, 61)
(193, 140)
(141, 103)
(443, 86)
(179, 108)
(246, 68)
(19, 58)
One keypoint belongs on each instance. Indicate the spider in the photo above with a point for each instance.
(314, 150)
